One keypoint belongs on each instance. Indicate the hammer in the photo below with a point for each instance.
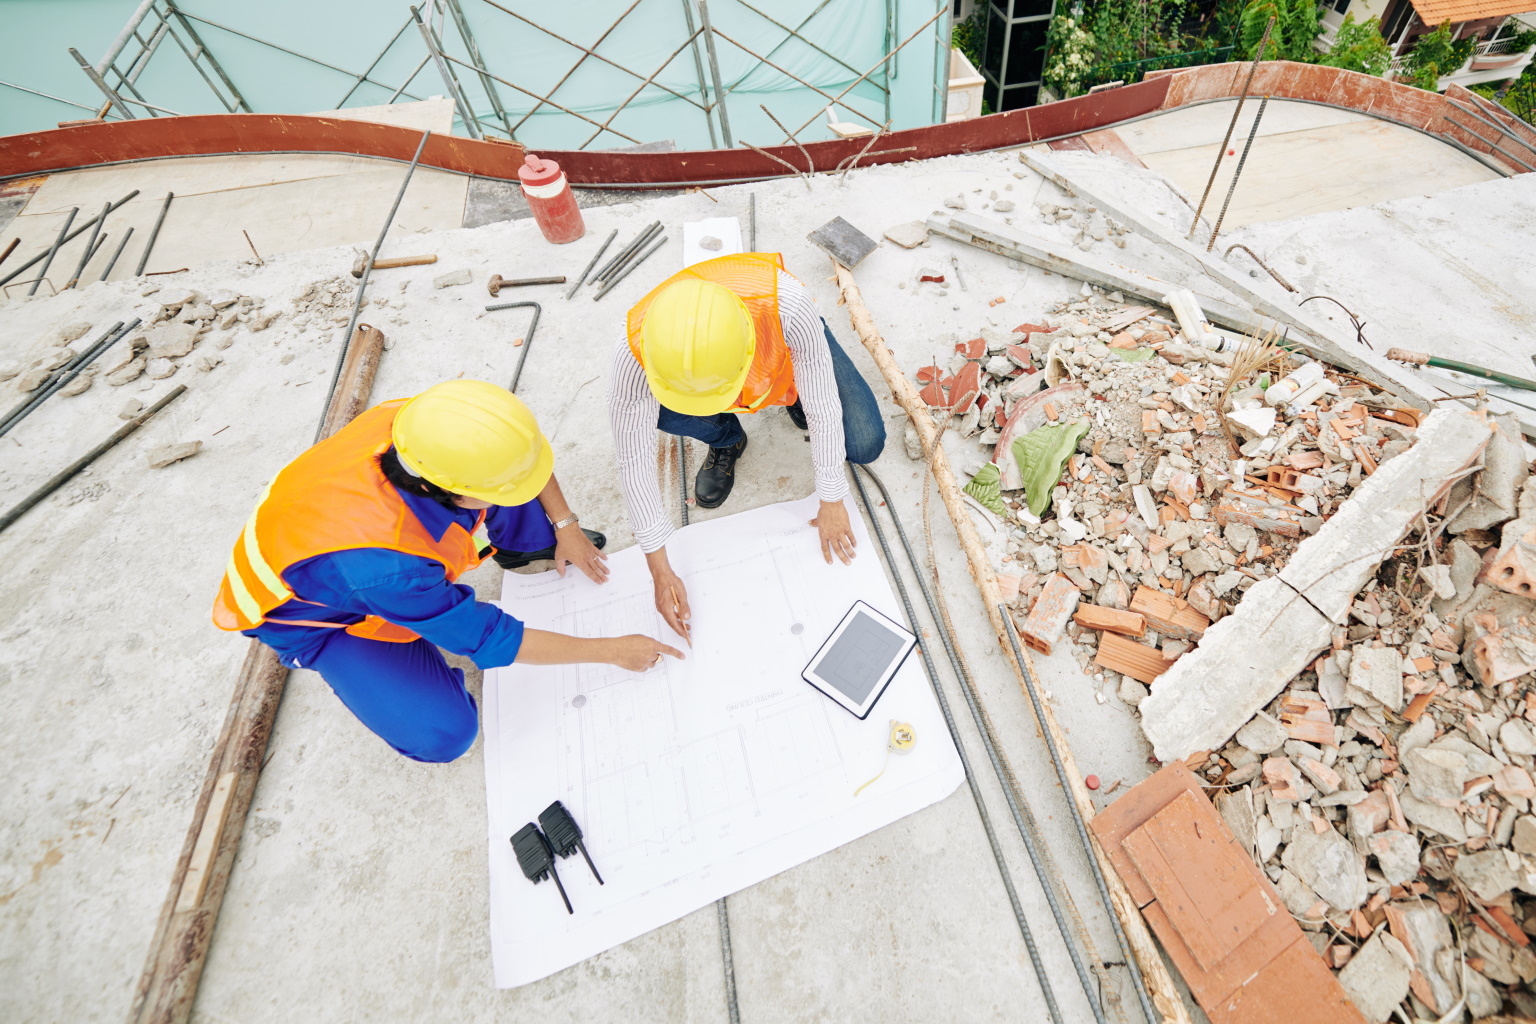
(497, 282)
(361, 263)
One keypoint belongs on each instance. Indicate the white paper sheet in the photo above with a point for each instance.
(727, 229)
(701, 777)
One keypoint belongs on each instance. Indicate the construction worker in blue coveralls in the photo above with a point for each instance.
(348, 565)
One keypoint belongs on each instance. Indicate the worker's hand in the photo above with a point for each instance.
(836, 532)
(574, 546)
(672, 603)
(638, 653)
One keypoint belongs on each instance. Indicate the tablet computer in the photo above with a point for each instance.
(859, 659)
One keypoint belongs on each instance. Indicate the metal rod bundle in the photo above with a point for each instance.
(68, 472)
(623, 272)
(628, 250)
(1258, 55)
(1232, 187)
(67, 239)
(68, 372)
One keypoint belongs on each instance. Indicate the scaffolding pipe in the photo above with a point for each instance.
(546, 99)
(626, 100)
(462, 23)
(698, 70)
(465, 114)
(714, 73)
(154, 233)
(203, 51)
(877, 65)
(359, 79)
(113, 99)
(123, 36)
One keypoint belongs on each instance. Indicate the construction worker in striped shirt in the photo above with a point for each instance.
(735, 334)
(348, 565)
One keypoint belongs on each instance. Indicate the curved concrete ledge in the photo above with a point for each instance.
(1459, 117)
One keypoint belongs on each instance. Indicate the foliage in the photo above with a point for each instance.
(1434, 55)
(1296, 26)
(1358, 46)
(966, 36)
(1072, 54)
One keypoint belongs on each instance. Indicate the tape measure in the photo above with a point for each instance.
(903, 737)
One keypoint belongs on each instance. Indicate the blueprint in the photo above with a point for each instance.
(699, 777)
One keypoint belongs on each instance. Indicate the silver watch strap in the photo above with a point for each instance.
(567, 521)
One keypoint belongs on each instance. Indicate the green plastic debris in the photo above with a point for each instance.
(1041, 453)
(1133, 355)
(986, 488)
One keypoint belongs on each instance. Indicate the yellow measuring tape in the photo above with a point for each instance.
(901, 741)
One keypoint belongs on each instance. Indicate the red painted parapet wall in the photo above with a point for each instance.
(210, 134)
(1485, 127)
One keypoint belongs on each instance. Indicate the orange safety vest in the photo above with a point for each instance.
(754, 277)
(334, 497)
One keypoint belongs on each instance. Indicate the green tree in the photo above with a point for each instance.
(1434, 55)
(1296, 26)
(1358, 46)
(1072, 55)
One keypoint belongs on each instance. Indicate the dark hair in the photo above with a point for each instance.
(395, 473)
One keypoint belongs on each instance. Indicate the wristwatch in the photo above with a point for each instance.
(569, 520)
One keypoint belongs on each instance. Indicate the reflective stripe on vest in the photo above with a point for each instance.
(332, 498)
(754, 278)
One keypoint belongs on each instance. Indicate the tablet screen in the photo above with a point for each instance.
(860, 657)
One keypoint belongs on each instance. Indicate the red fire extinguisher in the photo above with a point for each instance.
(551, 200)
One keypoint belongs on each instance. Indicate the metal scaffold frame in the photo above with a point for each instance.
(116, 75)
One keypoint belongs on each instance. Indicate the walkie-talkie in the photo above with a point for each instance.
(565, 835)
(536, 858)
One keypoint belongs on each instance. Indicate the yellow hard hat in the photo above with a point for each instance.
(474, 438)
(698, 342)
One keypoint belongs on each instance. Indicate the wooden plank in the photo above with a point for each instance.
(1130, 658)
(1169, 615)
(1109, 620)
(196, 881)
(1201, 878)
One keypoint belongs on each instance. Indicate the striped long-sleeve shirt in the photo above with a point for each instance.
(633, 411)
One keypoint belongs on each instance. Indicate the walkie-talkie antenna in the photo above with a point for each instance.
(565, 835)
(537, 859)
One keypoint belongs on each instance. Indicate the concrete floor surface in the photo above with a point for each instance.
(360, 889)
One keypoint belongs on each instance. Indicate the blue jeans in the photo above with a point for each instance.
(405, 693)
(863, 428)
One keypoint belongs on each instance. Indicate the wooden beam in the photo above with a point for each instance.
(1164, 992)
(179, 948)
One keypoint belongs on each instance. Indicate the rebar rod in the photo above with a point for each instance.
(1501, 129)
(1077, 820)
(116, 253)
(68, 472)
(621, 275)
(878, 64)
(69, 372)
(595, 257)
(154, 233)
(67, 239)
(10, 249)
(714, 74)
(90, 248)
(1491, 145)
(362, 285)
(1041, 975)
(533, 325)
(1267, 268)
(1226, 139)
(54, 251)
(1238, 173)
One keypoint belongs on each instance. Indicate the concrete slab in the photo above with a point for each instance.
(1307, 159)
(434, 112)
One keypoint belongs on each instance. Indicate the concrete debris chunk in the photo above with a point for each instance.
(1488, 874)
(159, 369)
(1397, 855)
(130, 409)
(1376, 677)
(452, 278)
(1436, 775)
(206, 361)
(126, 373)
(166, 454)
(72, 332)
(1329, 864)
(171, 340)
(80, 383)
(909, 235)
(33, 379)
(1262, 735)
(1377, 977)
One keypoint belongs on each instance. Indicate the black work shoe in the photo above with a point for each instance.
(796, 414)
(518, 559)
(713, 484)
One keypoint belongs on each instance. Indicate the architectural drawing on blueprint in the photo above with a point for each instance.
(702, 776)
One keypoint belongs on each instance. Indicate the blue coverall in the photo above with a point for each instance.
(406, 693)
